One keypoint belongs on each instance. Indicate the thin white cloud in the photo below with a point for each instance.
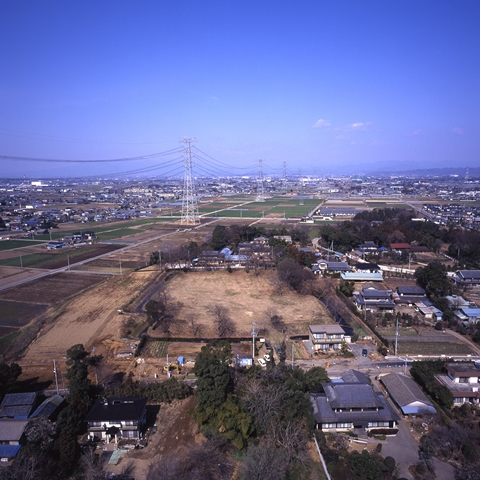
(321, 123)
(458, 131)
(418, 132)
(213, 100)
(354, 127)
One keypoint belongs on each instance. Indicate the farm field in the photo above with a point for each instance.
(18, 314)
(11, 244)
(276, 207)
(51, 289)
(56, 258)
(433, 348)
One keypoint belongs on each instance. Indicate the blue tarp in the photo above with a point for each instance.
(9, 451)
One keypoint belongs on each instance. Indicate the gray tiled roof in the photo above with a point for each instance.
(11, 429)
(404, 390)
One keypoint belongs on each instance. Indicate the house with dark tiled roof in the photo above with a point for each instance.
(467, 278)
(349, 403)
(374, 299)
(114, 418)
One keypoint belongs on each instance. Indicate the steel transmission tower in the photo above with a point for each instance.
(260, 194)
(189, 201)
(285, 175)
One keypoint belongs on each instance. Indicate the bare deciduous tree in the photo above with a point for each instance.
(292, 437)
(195, 327)
(264, 402)
(223, 322)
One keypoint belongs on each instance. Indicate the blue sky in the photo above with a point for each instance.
(331, 86)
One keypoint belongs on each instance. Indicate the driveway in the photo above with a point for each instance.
(403, 448)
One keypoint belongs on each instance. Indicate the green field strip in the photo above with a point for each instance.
(11, 244)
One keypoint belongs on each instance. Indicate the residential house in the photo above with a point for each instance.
(407, 395)
(462, 379)
(373, 299)
(468, 315)
(349, 403)
(333, 267)
(467, 278)
(409, 294)
(367, 268)
(325, 337)
(114, 418)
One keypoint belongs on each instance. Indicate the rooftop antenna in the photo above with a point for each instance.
(189, 202)
(260, 194)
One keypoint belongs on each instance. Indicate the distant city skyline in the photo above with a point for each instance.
(329, 87)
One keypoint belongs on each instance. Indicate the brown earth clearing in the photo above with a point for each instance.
(247, 298)
(88, 318)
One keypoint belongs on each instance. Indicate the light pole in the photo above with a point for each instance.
(253, 340)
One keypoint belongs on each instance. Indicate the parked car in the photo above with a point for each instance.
(364, 352)
(262, 362)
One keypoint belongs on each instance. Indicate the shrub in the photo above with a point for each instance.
(390, 463)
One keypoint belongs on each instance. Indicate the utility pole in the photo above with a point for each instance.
(55, 372)
(292, 355)
(253, 340)
(120, 260)
(189, 203)
(396, 339)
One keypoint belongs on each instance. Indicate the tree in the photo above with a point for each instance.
(154, 258)
(223, 322)
(263, 462)
(314, 377)
(433, 278)
(8, 376)
(214, 383)
(219, 237)
(71, 418)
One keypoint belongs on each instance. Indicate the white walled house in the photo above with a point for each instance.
(111, 419)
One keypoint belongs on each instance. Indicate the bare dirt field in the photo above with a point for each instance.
(246, 296)
(88, 318)
(9, 275)
(52, 289)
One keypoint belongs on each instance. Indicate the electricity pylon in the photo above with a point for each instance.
(189, 202)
